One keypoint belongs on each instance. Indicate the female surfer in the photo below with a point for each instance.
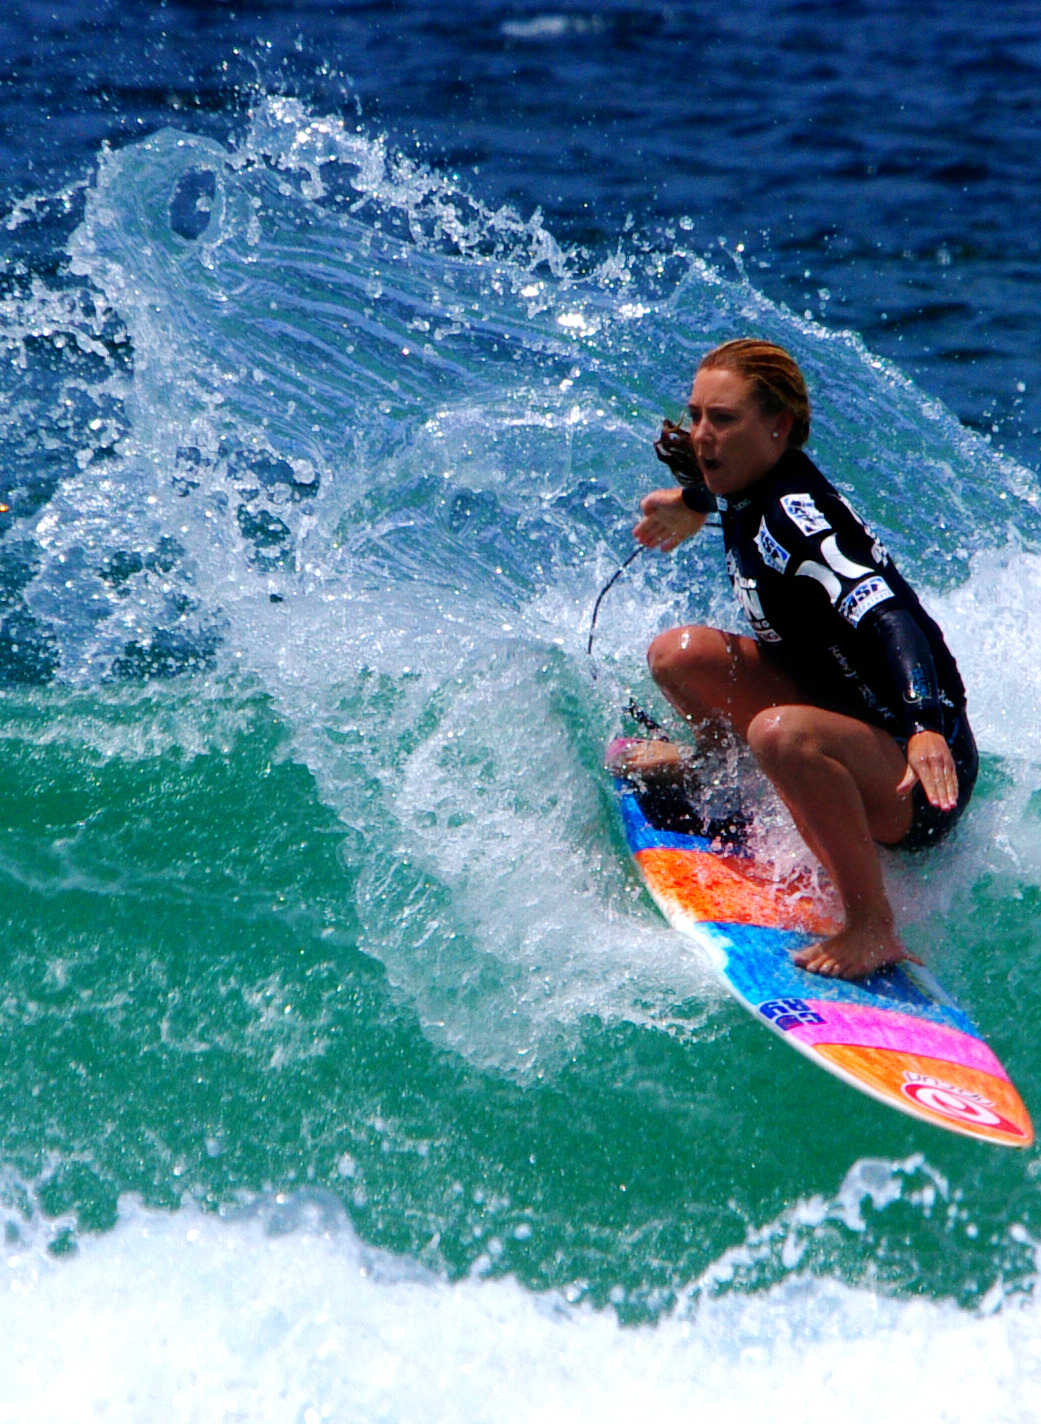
(847, 694)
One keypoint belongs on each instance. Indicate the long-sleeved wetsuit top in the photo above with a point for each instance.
(825, 598)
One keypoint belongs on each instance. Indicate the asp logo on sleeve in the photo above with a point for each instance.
(775, 556)
(804, 514)
(868, 594)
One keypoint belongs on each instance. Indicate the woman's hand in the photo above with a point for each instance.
(666, 520)
(929, 761)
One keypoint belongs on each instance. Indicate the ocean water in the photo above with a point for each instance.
(349, 1073)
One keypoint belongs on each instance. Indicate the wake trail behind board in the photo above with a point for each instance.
(895, 1034)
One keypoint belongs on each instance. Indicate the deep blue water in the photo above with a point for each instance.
(877, 161)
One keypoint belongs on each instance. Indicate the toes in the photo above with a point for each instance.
(816, 960)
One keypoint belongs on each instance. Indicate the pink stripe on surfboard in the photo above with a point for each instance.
(871, 1028)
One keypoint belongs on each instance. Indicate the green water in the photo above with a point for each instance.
(190, 1011)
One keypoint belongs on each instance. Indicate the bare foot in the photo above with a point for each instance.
(646, 759)
(857, 950)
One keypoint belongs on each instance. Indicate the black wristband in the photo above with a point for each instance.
(933, 724)
(699, 497)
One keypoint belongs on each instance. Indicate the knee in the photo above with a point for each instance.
(682, 653)
(779, 737)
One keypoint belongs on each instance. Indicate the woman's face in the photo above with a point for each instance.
(736, 444)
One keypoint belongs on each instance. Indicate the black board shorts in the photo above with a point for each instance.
(930, 825)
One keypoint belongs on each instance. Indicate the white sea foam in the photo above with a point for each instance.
(264, 1320)
(993, 624)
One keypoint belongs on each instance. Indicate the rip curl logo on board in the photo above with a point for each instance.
(786, 1014)
(956, 1104)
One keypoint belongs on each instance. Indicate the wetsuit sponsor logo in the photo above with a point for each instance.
(804, 514)
(867, 595)
(786, 1014)
(774, 555)
(847, 670)
(748, 596)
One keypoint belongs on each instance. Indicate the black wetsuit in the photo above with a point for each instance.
(828, 606)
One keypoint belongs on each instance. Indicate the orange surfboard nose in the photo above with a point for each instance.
(952, 1094)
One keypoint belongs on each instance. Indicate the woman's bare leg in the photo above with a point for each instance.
(709, 675)
(837, 776)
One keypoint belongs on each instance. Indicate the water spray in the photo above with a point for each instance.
(633, 710)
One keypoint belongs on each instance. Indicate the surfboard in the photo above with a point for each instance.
(895, 1034)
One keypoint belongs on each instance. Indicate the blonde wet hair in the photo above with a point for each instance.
(776, 379)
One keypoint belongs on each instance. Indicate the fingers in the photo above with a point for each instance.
(929, 759)
(655, 534)
(654, 538)
(666, 520)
